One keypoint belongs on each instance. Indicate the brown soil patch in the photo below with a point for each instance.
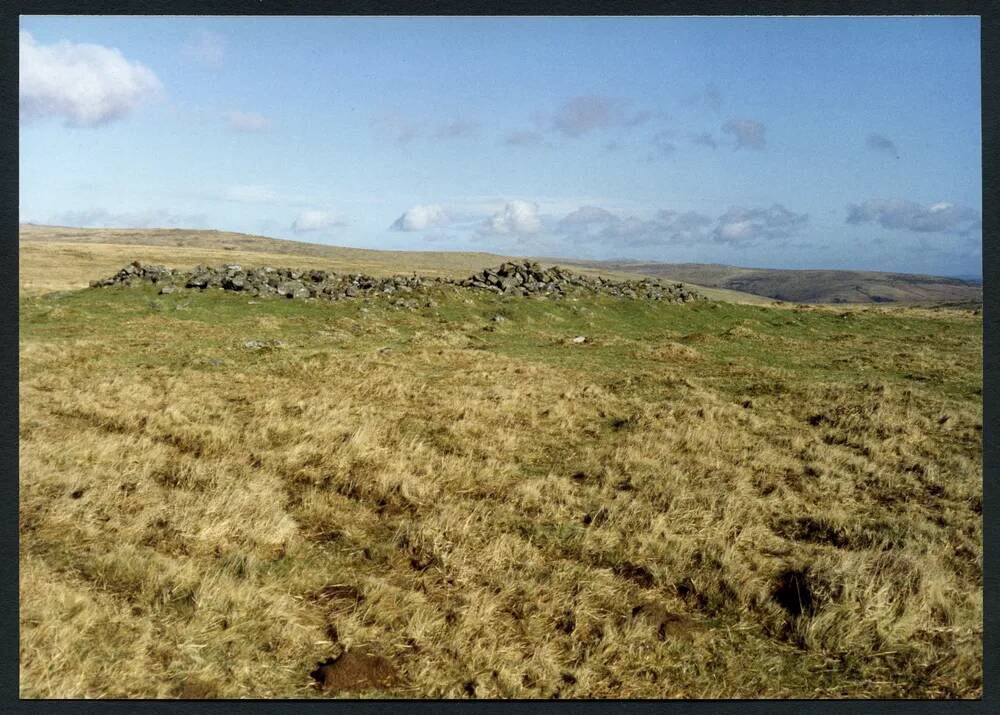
(355, 671)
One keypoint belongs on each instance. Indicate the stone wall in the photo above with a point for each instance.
(521, 279)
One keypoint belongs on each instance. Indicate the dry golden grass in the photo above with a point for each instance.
(702, 501)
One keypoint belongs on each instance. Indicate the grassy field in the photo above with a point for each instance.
(701, 500)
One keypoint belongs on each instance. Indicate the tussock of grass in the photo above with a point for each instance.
(699, 501)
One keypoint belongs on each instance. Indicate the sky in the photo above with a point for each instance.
(766, 142)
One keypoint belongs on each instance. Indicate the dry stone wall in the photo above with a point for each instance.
(521, 279)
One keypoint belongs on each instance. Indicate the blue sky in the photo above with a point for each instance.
(773, 142)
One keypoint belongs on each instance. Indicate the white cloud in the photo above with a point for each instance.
(86, 85)
(420, 218)
(517, 217)
(206, 47)
(315, 220)
(248, 122)
(249, 194)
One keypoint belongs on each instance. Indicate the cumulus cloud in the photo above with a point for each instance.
(248, 122)
(315, 220)
(149, 218)
(206, 47)
(84, 84)
(704, 139)
(882, 143)
(421, 218)
(580, 115)
(524, 139)
(457, 129)
(742, 225)
(517, 217)
(592, 223)
(749, 133)
(900, 214)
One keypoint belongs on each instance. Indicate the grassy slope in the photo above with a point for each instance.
(812, 286)
(60, 258)
(494, 502)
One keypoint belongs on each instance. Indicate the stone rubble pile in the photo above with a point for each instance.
(529, 278)
(284, 282)
(523, 279)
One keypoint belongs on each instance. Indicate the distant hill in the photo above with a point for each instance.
(812, 286)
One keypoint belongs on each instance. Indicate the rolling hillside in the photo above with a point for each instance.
(812, 286)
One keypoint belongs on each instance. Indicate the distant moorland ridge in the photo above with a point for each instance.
(811, 286)
(722, 282)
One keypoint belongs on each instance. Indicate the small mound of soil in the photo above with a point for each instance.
(673, 352)
(741, 332)
(355, 670)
